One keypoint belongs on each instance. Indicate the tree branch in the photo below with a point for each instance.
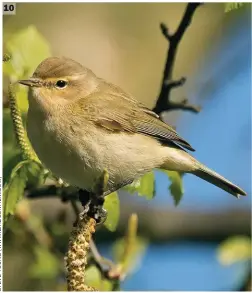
(163, 102)
(103, 264)
(79, 242)
(108, 269)
(76, 257)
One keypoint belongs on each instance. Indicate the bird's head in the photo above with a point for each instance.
(60, 80)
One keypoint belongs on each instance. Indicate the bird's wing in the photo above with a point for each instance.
(115, 90)
(117, 112)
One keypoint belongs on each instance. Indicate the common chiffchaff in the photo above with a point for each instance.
(80, 125)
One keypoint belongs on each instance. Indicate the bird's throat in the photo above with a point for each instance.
(42, 103)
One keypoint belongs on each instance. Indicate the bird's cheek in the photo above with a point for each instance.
(67, 95)
(40, 94)
(34, 93)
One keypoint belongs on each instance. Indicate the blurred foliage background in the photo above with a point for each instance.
(205, 241)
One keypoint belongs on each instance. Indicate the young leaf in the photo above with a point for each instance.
(27, 49)
(112, 206)
(46, 265)
(145, 186)
(131, 260)
(129, 250)
(95, 280)
(35, 173)
(11, 159)
(234, 249)
(13, 190)
(176, 186)
(232, 5)
(6, 57)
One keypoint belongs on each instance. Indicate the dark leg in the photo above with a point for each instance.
(92, 204)
(97, 200)
(96, 209)
(84, 198)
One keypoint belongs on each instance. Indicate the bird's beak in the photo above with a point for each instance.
(31, 82)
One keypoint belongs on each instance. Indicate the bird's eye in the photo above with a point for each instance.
(61, 84)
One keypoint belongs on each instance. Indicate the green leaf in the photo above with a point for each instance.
(112, 206)
(11, 159)
(27, 48)
(94, 279)
(145, 186)
(232, 5)
(46, 265)
(14, 190)
(12, 154)
(176, 186)
(234, 249)
(35, 173)
(132, 259)
(6, 57)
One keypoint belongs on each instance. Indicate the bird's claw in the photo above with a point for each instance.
(98, 213)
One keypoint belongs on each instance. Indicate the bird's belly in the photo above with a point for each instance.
(60, 157)
(64, 164)
(80, 158)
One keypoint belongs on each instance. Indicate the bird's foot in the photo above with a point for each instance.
(98, 213)
(96, 209)
(92, 206)
(85, 199)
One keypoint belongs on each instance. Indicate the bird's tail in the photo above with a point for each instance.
(209, 175)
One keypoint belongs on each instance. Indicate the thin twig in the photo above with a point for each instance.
(164, 102)
(120, 271)
(103, 264)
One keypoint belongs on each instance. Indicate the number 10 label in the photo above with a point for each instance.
(9, 8)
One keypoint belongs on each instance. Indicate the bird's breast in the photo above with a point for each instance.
(61, 150)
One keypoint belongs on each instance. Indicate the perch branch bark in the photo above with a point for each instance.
(76, 258)
(80, 238)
